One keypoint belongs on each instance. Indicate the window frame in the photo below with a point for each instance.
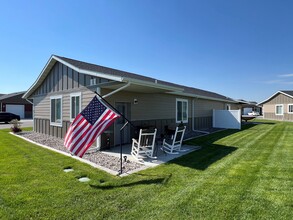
(77, 94)
(183, 101)
(279, 105)
(228, 107)
(54, 123)
(290, 112)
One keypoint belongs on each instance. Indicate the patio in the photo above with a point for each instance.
(162, 157)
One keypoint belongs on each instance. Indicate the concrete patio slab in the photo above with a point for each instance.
(162, 157)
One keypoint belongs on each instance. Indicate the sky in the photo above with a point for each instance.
(242, 49)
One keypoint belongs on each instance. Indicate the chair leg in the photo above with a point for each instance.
(169, 150)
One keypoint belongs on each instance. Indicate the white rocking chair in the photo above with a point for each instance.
(173, 146)
(145, 144)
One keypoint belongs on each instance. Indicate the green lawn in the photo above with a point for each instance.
(244, 174)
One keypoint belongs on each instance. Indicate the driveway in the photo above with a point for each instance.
(24, 123)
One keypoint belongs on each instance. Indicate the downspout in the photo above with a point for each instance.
(99, 140)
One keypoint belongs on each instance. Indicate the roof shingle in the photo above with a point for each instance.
(124, 74)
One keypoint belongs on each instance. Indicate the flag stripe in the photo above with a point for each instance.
(79, 137)
(90, 138)
(72, 127)
(84, 139)
(90, 123)
(95, 133)
(79, 127)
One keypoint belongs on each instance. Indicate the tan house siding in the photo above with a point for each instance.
(149, 106)
(205, 108)
(151, 109)
(269, 108)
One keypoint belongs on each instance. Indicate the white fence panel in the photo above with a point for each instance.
(227, 119)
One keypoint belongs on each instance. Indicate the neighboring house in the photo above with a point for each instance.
(14, 103)
(249, 107)
(65, 86)
(279, 106)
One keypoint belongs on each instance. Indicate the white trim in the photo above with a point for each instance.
(274, 95)
(288, 108)
(201, 97)
(282, 109)
(228, 107)
(76, 94)
(58, 124)
(117, 90)
(88, 72)
(154, 84)
(43, 74)
(182, 100)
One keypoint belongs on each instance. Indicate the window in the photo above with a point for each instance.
(290, 108)
(75, 105)
(228, 107)
(56, 110)
(93, 81)
(181, 110)
(279, 109)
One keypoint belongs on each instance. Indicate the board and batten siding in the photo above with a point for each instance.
(269, 108)
(63, 78)
(151, 109)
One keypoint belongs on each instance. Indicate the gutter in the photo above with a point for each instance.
(117, 90)
(154, 84)
(202, 97)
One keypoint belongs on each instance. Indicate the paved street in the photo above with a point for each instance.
(24, 123)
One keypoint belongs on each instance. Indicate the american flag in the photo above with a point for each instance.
(88, 125)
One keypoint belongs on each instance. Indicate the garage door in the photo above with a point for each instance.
(16, 109)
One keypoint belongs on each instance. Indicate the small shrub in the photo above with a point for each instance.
(15, 126)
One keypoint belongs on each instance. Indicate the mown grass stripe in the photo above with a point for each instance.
(236, 175)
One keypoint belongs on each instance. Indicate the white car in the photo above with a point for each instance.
(253, 113)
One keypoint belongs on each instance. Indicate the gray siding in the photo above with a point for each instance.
(43, 126)
(269, 108)
(42, 102)
(63, 78)
(158, 110)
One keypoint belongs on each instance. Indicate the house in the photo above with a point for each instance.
(279, 106)
(65, 86)
(14, 103)
(250, 107)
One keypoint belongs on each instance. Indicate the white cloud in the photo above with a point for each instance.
(277, 81)
(286, 75)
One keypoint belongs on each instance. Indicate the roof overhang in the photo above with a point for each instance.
(279, 92)
(140, 87)
(116, 81)
(203, 97)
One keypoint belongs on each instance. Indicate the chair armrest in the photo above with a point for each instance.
(134, 141)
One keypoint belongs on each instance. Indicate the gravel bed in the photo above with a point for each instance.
(98, 157)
